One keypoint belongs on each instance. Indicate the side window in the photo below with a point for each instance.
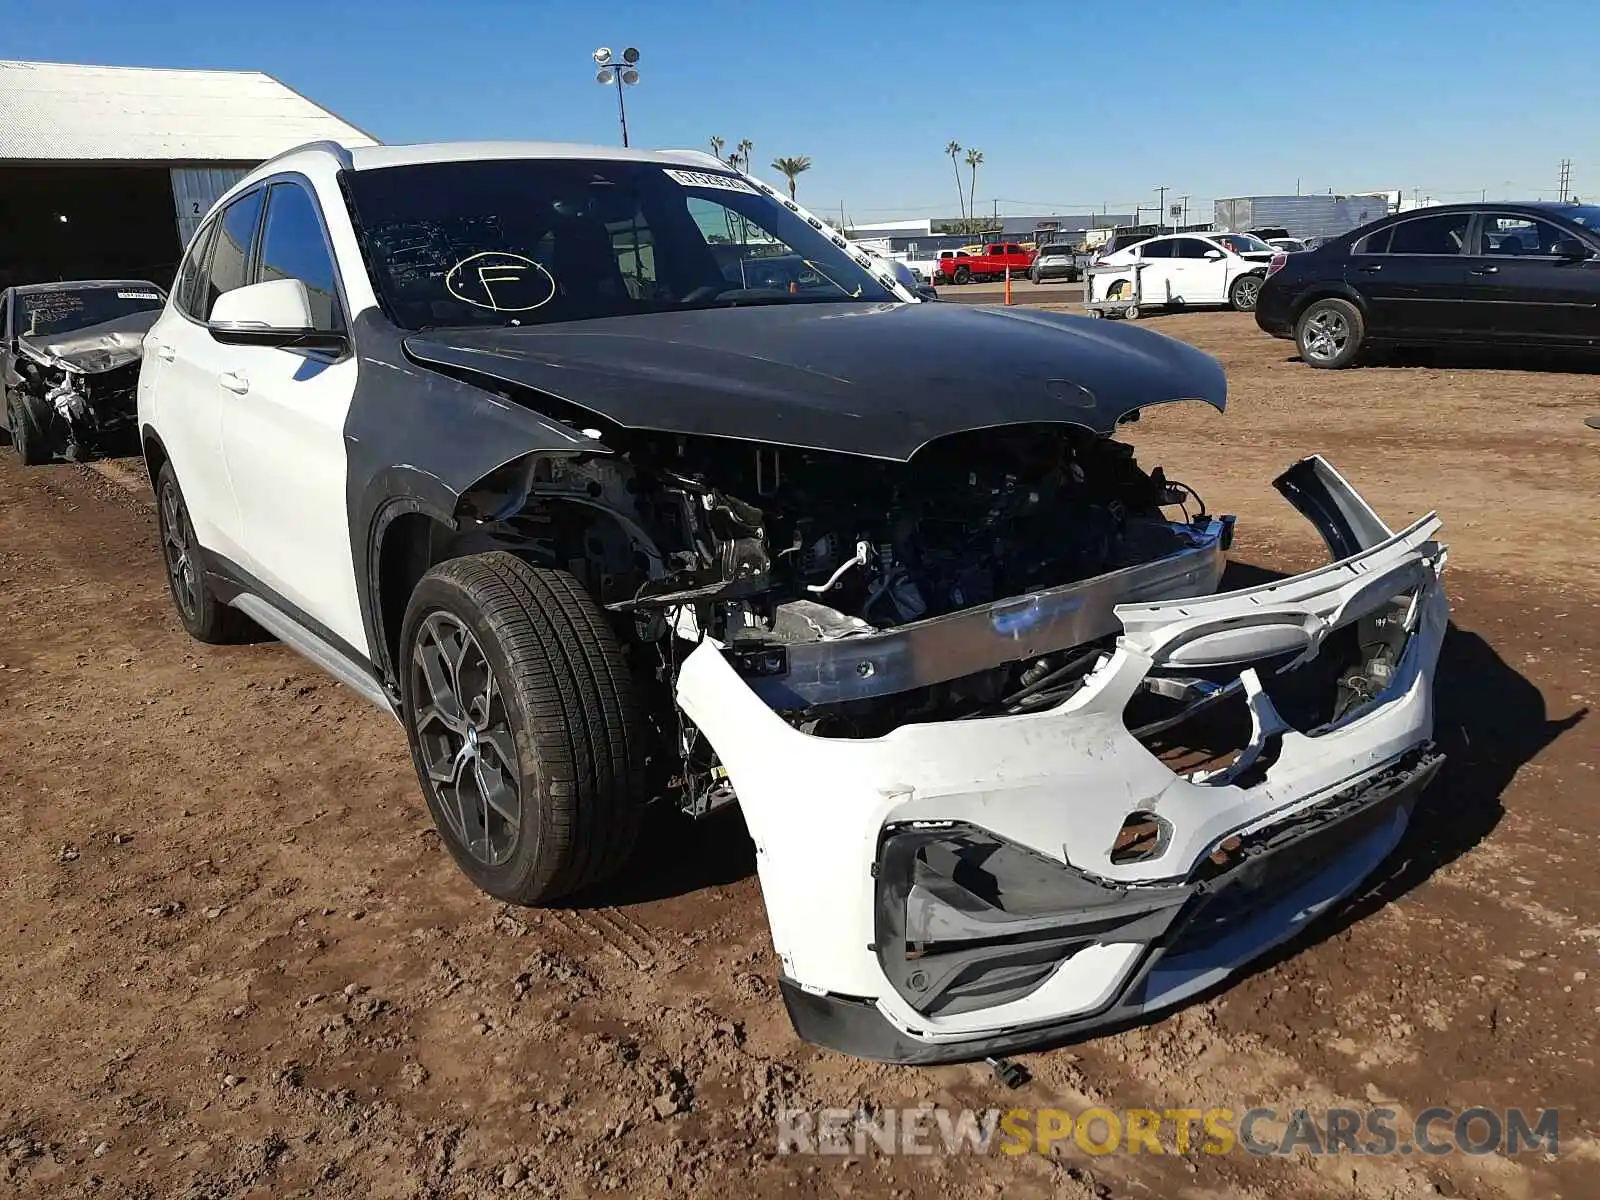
(293, 247)
(230, 255)
(1444, 234)
(1374, 243)
(188, 292)
(1191, 248)
(1156, 250)
(1510, 236)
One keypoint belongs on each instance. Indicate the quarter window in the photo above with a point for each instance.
(230, 257)
(293, 247)
(1443, 234)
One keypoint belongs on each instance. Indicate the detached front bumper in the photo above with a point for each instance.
(963, 888)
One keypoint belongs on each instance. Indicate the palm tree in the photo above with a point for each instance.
(743, 149)
(974, 157)
(953, 149)
(789, 168)
(716, 145)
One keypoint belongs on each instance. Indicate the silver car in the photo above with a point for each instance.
(1056, 262)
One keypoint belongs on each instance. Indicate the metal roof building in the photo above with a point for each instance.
(106, 171)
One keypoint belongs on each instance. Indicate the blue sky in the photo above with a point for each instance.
(1086, 104)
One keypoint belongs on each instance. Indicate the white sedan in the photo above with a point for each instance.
(1194, 269)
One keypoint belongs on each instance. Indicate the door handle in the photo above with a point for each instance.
(1485, 271)
(1375, 267)
(234, 382)
(164, 352)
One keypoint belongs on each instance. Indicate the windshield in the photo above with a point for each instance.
(50, 314)
(532, 241)
(1587, 215)
(1243, 243)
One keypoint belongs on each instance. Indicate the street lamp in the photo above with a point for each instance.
(623, 74)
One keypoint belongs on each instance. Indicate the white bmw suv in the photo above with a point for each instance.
(619, 478)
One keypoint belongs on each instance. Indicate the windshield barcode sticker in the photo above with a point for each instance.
(137, 296)
(709, 179)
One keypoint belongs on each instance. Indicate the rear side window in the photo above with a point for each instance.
(188, 292)
(293, 247)
(1374, 243)
(1191, 248)
(230, 257)
(1156, 250)
(1444, 234)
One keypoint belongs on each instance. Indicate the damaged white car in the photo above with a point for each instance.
(515, 448)
(69, 362)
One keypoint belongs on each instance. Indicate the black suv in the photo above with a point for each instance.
(1525, 275)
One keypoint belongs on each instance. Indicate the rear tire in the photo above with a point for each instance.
(1329, 334)
(545, 707)
(204, 617)
(1244, 293)
(29, 419)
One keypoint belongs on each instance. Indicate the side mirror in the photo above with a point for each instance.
(1214, 255)
(1571, 249)
(274, 313)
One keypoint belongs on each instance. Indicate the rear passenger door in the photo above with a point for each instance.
(1412, 277)
(1519, 292)
(283, 433)
(188, 370)
(1155, 276)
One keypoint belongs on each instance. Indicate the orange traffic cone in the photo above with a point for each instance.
(1008, 285)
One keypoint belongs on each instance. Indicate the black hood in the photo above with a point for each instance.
(874, 379)
(97, 348)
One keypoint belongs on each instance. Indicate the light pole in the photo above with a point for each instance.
(623, 74)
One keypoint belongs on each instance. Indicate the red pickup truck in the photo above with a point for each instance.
(991, 264)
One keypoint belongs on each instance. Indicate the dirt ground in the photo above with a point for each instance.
(237, 962)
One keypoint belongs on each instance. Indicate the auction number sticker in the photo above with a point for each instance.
(137, 296)
(709, 179)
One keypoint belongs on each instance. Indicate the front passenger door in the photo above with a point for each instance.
(283, 434)
(1520, 293)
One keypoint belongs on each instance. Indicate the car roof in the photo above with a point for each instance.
(366, 158)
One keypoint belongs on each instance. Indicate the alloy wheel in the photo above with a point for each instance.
(176, 548)
(1248, 291)
(464, 734)
(1326, 335)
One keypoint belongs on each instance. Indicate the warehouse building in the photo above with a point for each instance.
(106, 171)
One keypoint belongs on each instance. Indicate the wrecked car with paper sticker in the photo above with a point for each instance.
(69, 363)
(620, 479)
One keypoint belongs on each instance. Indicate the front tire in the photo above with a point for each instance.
(524, 725)
(1329, 334)
(1244, 293)
(29, 419)
(963, 274)
(204, 617)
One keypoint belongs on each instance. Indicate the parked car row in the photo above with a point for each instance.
(1485, 274)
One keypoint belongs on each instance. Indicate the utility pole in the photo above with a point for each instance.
(1184, 200)
(1566, 179)
(1161, 206)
